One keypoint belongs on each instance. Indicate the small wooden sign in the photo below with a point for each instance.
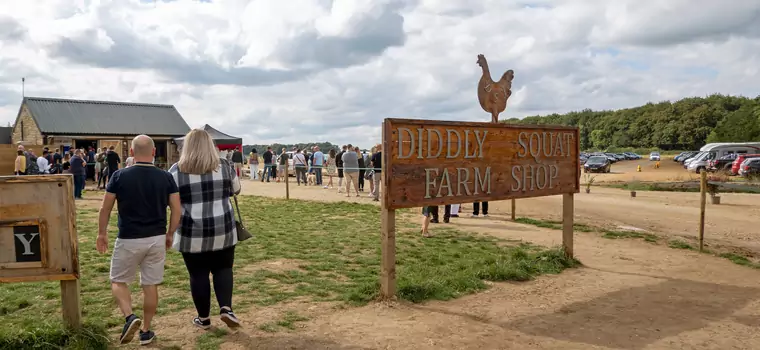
(444, 162)
(26, 238)
(38, 237)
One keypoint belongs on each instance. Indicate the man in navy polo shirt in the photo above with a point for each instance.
(142, 192)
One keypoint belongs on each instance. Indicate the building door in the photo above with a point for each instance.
(115, 143)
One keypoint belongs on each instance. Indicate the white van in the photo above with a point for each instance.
(716, 150)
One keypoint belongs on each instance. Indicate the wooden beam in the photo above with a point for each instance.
(72, 312)
(567, 223)
(388, 241)
(702, 204)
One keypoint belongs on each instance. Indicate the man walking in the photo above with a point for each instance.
(351, 170)
(113, 161)
(339, 164)
(142, 192)
(318, 162)
(237, 159)
(267, 164)
(377, 164)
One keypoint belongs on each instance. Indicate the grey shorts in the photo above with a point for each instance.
(149, 254)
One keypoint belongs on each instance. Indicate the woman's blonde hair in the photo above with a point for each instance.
(199, 155)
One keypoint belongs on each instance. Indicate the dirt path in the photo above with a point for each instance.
(733, 223)
(629, 295)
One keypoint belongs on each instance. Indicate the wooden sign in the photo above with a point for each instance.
(38, 238)
(442, 162)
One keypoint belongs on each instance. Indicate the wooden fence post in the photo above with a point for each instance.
(702, 203)
(287, 182)
(72, 313)
(567, 223)
(513, 209)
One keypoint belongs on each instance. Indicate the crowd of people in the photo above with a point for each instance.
(352, 168)
(83, 164)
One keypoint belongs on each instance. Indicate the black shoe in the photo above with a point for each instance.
(446, 220)
(229, 318)
(130, 328)
(202, 324)
(434, 221)
(147, 337)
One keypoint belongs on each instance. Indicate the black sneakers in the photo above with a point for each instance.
(229, 318)
(146, 337)
(202, 324)
(130, 328)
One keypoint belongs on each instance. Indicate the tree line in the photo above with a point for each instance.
(686, 124)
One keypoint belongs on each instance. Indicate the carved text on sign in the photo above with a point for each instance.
(455, 162)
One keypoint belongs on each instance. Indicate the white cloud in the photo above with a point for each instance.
(331, 70)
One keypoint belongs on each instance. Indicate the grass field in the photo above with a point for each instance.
(302, 251)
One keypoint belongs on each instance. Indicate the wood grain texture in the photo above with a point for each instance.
(459, 160)
(48, 200)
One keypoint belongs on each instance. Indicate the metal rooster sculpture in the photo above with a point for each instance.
(493, 95)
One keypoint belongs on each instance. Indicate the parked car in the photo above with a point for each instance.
(621, 156)
(654, 156)
(722, 164)
(597, 164)
(611, 157)
(739, 160)
(686, 156)
(632, 156)
(750, 167)
(699, 163)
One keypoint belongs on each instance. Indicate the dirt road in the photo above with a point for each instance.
(733, 223)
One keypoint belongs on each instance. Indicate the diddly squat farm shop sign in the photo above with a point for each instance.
(439, 162)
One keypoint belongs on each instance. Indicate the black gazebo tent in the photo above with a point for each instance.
(221, 140)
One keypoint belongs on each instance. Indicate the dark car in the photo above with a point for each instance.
(632, 156)
(722, 164)
(686, 156)
(597, 164)
(750, 168)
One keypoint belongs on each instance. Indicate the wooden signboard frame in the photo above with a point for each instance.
(44, 202)
(490, 161)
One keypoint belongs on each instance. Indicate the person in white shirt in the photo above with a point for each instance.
(43, 163)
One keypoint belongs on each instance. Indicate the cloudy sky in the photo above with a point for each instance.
(331, 70)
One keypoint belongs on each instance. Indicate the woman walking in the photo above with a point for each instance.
(253, 164)
(19, 166)
(332, 169)
(362, 168)
(207, 235)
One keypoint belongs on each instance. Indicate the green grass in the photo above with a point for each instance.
(302, 251)
(211, 340)
(676, 244)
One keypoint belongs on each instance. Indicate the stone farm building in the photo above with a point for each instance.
(77, 123)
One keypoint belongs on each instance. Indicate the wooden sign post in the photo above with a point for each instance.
(38, 237)
(441, 162)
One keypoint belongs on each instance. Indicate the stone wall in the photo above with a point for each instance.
(32, 134)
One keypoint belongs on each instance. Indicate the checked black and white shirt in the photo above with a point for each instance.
(208, 220)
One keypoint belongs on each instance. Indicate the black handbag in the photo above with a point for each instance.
(242, 232)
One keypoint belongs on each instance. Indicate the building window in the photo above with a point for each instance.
(22, 131)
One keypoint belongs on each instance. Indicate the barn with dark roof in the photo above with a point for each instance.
(82, 124)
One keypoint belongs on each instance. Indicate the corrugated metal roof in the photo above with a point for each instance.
(5, 135)
(62, 116)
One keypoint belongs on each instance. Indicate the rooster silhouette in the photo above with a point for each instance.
(493, 95)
